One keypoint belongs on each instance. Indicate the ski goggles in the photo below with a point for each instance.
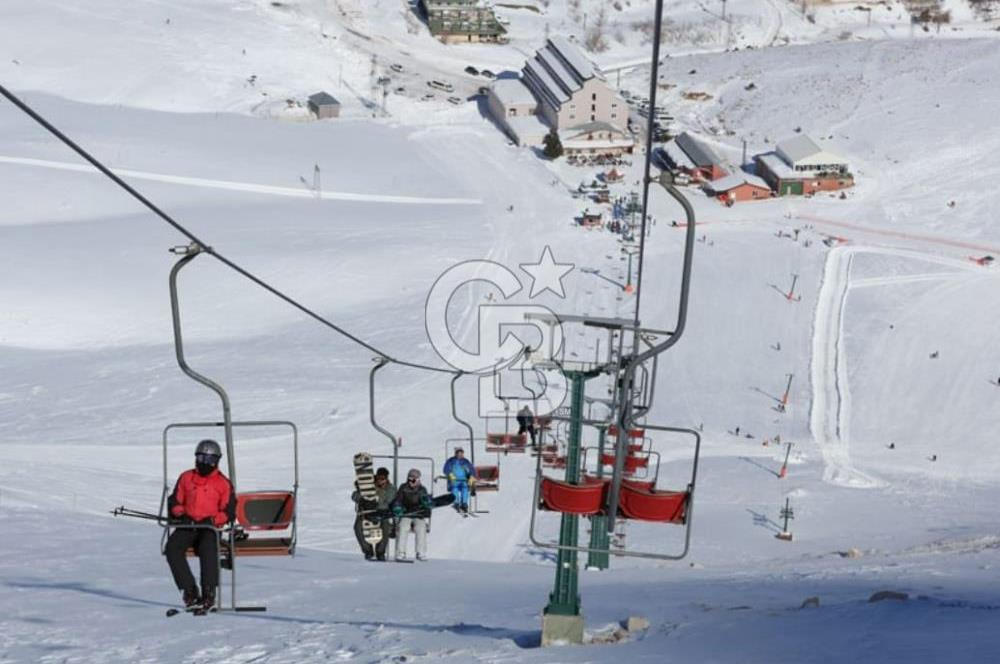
(209, 459)
(413, 479)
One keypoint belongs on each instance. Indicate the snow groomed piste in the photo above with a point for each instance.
(879, 503)
(602, 499)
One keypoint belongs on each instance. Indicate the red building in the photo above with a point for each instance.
(686, 154)
(739, 187)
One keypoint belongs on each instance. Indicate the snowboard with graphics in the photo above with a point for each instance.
(364, 480)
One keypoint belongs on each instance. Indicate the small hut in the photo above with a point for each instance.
(324, 105)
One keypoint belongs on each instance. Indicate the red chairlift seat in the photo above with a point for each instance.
(644, 485)
(632, 433)
(506, 442)
(632, 463)
(650, 505)
(583, 499)
(632, 449)
(488, 478)
(265, 510)
(260, 511)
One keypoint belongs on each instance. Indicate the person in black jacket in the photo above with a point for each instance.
(413, 507)
(378, 510)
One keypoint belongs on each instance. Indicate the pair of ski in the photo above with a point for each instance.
(371, 520)
(197, 610)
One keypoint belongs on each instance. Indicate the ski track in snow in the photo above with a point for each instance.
(830, 416)
(244, 186)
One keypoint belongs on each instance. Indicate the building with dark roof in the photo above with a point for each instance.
(569, 93)
(687, 154)
(324, 105)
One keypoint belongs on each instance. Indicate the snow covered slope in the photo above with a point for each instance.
(89, 378)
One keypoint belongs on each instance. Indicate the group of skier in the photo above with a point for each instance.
(204, 501)
(398, 513)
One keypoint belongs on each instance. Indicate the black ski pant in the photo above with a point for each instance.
(525, 426)
(206, 545)
(366, 548)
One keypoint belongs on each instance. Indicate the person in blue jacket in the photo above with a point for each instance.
(461, 476)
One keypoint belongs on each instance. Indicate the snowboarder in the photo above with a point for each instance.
(203, 500)
(461, 477)
(412, 505)
(385, 492)
(526, 422)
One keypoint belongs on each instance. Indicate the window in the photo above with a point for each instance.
(614, 115)
(593, 108)
(592, 118)
(512, 112)
(593, 97)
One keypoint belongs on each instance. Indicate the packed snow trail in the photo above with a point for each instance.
(244, 186)
(830, 416)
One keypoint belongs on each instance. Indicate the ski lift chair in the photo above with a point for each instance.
(516, 443)
(265, 520)
(488, 478)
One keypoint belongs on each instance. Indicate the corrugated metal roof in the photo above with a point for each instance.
(797, 148)
(702, 155)
(573, 56)
(735, 180)
(558, 70)
(546, 86)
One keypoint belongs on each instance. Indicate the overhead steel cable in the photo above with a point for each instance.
(646, 181)
(205, 247)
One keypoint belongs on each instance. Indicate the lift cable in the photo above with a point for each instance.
(204, 246)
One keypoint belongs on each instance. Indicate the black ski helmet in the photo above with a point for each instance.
(208, 448)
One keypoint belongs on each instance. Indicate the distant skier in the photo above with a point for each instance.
(526, 422)
(385, 493)
(892, 446)
(737, 431)
(202, 501)
(461, 477)
(412, 505)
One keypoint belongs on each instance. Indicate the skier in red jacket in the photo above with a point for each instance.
(202, 496)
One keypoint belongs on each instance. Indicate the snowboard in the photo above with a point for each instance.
(364, 479)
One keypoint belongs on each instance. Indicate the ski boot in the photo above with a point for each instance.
(207, 602)
(191, 597)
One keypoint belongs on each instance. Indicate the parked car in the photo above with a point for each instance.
(483, 90)
(427, 97)
(396, 67)
(472, 71)
(455, 100)
(487, 73)
(440, 85)
(400, 90)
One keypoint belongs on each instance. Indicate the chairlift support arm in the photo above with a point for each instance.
(380, 362)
